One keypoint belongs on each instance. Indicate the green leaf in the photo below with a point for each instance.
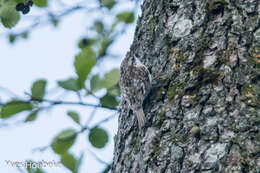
(38, 89)
(24, 35)
(69, 84)
(111, 78)
(9, 16)
(40, 3)
(109, 101)
(74, 116)
(108, 3)
(32, 116)
(12, 38)
(17, 1)
(69, 161)
(128, 17)
(98, 137)
(99, 26)
(63, 141)
(38, 170)
(95, 83)
(105, 43)
(83, 64)
(114, 90)
(85, 42)
(55, 22)
(13, 107)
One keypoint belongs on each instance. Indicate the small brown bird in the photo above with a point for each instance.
(135, 83)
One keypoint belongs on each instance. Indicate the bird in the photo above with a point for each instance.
(135, 83)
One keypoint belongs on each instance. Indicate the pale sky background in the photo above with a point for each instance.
(49, 53)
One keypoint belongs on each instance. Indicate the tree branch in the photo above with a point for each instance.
(105, 120)
(59, 102)
(55, 102)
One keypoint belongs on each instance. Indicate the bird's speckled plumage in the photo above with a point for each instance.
(135, 83)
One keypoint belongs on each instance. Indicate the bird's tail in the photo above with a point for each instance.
(140, 117)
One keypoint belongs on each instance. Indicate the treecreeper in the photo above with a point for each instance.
(135, 83)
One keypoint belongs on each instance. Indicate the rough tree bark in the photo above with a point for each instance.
(203, 114)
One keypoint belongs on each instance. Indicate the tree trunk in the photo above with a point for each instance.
(203, 113)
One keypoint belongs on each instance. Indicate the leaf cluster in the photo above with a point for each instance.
(87, 81)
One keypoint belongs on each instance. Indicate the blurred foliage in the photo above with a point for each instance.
(70, 162)
(98, 137)
(69, 84)
(83, 83)
(40, 3)
(63, 141)
(13, 107)
(127, 17)
(74, 116)
(9, 16)
(32, 116)
(83, 64)
(38, 89)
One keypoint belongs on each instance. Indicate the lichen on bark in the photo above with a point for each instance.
(203, 113)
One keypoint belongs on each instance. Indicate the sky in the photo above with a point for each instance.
(48, 53)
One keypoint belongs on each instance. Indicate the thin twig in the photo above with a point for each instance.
(58, 102)
(97, 158)
(79, 96)
(53, 102)
(86, 127)
(91, 116)
(107, 169)
(8, 91)
(20, 170)
(40, 149)
(105, 120)
(3, 125)
(6, 126)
